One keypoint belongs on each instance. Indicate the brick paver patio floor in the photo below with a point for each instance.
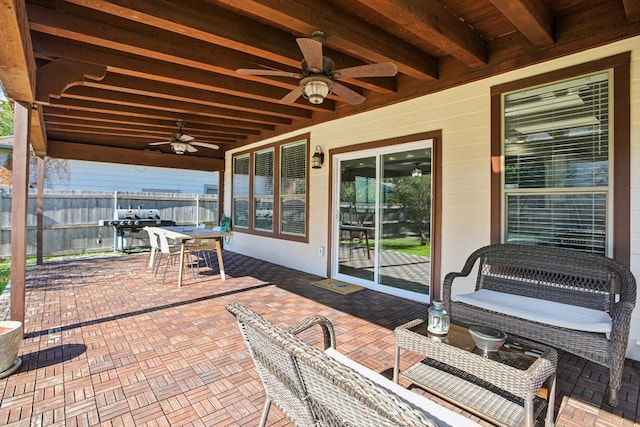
(108, 344)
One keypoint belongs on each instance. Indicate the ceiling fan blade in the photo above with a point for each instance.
(292, 96)
(185, 138)
(160, 143)
(312, 52)
(383, 69)
(275, 73)
(347, 94)
(206, 145)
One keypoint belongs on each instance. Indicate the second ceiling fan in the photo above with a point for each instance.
(181, 142)
(319, 77)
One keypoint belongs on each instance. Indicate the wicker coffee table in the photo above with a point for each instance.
(502, 388)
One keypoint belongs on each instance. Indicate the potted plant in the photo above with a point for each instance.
(10, 338)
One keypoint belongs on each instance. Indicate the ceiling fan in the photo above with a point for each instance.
(181, 142)
(319, 78)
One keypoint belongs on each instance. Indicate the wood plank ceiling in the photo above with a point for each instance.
(115, 75)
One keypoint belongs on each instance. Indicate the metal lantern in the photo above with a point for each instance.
(438, 322)
(318, 158)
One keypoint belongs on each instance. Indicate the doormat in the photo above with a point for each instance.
(337, 286)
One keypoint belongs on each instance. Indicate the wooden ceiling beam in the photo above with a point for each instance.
(89, 116)
(74, 151)
(632, 9)
(532, 18)
(135, 85)
(430, 21)
(131, 140)
(150, 112)
(130, 135)
(220, 26)
(345, 33)
(163, 45)
(18, 66)
(47, 46)
(18, 70)
(83, 92)
(201, 135)
(56, 76)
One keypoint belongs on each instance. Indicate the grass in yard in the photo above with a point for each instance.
(5, 272)
(408, 245)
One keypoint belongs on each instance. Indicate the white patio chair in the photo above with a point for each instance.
(201, 249)
(155, 248)
(170, 253)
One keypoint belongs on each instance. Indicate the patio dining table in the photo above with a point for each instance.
(184, 234)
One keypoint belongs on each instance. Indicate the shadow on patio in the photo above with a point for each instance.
(107, 344)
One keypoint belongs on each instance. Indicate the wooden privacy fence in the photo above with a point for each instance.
(70, 218)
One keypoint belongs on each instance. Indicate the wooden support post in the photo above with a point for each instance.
(40, 210)
(19, 206)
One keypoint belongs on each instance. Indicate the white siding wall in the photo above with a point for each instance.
(463, 115)
(119, 177)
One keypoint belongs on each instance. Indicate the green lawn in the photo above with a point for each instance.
(5, 271)
(409, 245)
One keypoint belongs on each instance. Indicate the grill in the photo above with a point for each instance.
(127, 223)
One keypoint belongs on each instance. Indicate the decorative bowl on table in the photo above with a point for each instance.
(487, 339)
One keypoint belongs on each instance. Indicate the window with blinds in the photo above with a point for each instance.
(556, 145)
(263, 190)
(241, 191)
(269, 193)
(293, 188)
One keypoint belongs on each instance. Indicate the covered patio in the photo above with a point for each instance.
(107, 344)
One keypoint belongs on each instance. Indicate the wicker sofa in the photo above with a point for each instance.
(575, 301)
(326, 388)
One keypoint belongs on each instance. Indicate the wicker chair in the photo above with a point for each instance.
(276, 366)
(313, 388)
(559, 275)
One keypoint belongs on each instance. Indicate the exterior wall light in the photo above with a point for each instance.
(318, 158)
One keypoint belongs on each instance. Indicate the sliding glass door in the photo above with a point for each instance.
(382, 205)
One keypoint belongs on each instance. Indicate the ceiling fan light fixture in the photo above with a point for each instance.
(179, 147)
(316, 90)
